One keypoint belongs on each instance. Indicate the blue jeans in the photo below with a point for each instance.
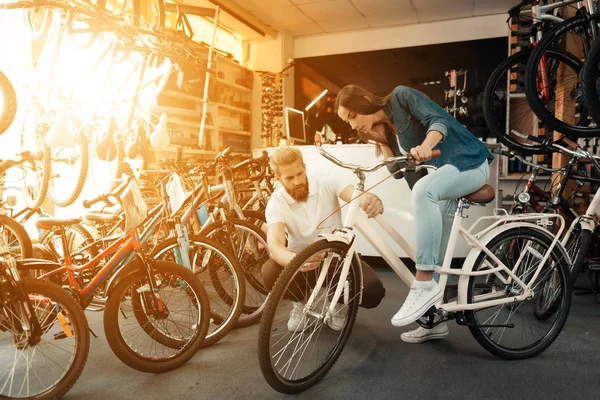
(434, 204)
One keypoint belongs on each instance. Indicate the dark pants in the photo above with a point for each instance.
(373, 290)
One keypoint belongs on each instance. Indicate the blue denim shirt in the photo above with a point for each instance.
(414, 115)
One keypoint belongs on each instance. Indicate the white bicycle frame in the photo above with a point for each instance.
(356, 218)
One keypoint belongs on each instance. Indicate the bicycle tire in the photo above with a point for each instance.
(483, 334)
(590, 77)
(8, 103)
(34, 183)
(17, 240)
(43, 16)
(74, 316)
(256, 293)
(272, 315)
(115, 307)
(586, 239)
(494, 107)
(554, 38)
(61, 196)
(222, 321)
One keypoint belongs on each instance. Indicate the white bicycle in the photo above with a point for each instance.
(499, 294)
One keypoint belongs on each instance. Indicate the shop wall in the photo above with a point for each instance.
(404, 36)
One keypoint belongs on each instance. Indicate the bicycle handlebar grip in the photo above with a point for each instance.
(317, 138)
(89, 203)
(435, 153)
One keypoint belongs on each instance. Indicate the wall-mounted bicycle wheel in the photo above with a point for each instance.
(553, 87)
(8, 103)
(590, 76)
(506, 111)
(37, 20)
(34, 175)
(68, 170)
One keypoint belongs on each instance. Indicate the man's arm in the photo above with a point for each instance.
(372, 205)
(276, 242)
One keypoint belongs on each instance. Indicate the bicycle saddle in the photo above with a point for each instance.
(50, 222)
(482, 196)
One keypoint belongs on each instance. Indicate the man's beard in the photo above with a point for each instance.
(299, 193)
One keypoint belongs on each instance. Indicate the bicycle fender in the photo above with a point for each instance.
(132, 267)
(330, 237)
(463, 280)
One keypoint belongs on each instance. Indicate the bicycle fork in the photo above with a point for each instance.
(330, 312)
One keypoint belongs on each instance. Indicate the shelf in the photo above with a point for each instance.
(234, 85)
(188, 151)
(178, 121)
(231, 62)
(227, 106)
(181, 112)
(185, 96)
(228, 130)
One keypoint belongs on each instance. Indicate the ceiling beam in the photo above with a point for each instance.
(246, 18)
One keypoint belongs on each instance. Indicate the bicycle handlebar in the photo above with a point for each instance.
(355, 167)
(106, 196)
(26, 156)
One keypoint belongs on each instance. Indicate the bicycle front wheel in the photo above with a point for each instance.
(157, 331)
(298, 345)
(515, 330)
(48, 366)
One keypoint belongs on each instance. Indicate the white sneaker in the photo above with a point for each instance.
(421, 334)
(298, 321)
(416, 304)
(338, 319)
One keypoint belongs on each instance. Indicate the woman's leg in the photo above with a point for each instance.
(444, 184)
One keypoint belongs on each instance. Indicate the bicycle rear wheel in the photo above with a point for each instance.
(249, 245)
(295, 354)
(521, 250)
(49, 367)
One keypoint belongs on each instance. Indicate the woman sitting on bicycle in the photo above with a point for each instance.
(408, 121)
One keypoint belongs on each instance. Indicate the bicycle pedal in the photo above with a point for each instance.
(60, 335)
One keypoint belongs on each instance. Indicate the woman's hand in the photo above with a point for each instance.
(421, 153)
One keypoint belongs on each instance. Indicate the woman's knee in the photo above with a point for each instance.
(423, 191)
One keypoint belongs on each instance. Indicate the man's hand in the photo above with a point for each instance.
(372, 205)
(421, 153)
(312, 263)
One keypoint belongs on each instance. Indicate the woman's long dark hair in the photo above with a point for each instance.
(361, 101)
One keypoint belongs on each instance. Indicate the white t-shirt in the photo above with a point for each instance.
(301, 219)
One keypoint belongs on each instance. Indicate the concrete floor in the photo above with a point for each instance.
(375, 364)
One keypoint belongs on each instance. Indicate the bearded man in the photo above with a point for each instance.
(294, 212)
